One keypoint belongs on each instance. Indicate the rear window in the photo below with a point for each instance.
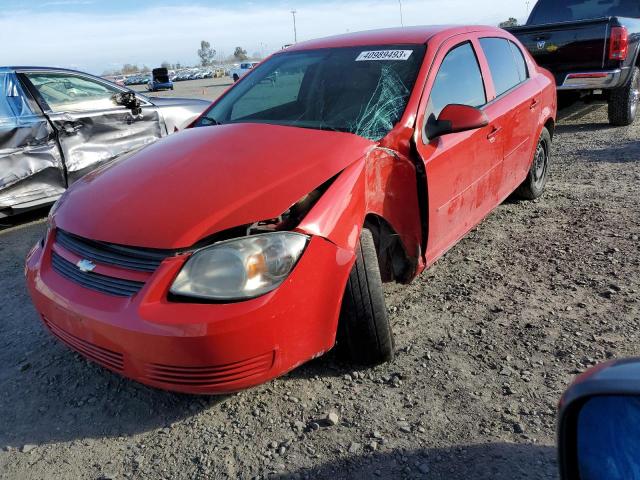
(552, 11)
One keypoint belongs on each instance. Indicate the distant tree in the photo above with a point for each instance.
(128, 69)
(166, 65)
(512, 22)
(257, 55)
(145, 69)
(206, 53)
(240, 54)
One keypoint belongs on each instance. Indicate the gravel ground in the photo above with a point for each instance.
(487, 340)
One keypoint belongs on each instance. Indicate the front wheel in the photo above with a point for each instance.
(623, 104)
(533, 185)
(364, 331)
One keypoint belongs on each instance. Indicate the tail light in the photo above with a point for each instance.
(618, 43)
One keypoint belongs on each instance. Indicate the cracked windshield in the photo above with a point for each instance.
(363, 90)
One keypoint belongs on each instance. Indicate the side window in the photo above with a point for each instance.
(502, 63)
(520, 61)
(459, 81)
(65, 92)
(13, 103)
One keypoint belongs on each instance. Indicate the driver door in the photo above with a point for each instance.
(91, 128)
(460, 168)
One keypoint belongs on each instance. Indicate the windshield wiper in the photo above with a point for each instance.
(207, 121)
(334, 129)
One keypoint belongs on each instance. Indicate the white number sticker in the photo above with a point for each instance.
(376, 55)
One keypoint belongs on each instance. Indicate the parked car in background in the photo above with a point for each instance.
(57, 125)
(590, 47)
(137, 80)
(159, 80)
(246, 245)
(242, 70)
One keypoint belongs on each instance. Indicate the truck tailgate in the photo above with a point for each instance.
(568, 46)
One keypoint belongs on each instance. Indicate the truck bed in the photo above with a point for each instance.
(567, 47)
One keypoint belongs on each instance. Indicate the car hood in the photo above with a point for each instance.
(202, 181)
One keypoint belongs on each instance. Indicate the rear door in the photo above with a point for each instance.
(31, 169)
(459, 167)
(91, 128)
(518, 102)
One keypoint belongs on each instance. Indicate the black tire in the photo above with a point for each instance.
(533, 185)
(623, 104)
(236, 78)
(364, 333)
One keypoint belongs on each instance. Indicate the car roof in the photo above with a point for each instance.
(33, 67)
(418, 35)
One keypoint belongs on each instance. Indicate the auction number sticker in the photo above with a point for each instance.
(375, 55)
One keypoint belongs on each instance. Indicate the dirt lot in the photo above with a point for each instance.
(487, 340)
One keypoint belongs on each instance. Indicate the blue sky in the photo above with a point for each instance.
(95, 35)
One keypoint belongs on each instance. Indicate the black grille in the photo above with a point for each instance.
(95, 281)
(131, 258)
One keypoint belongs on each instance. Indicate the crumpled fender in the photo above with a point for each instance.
(381, 183)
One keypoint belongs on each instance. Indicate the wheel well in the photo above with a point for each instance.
(550, 125)
(395, 264)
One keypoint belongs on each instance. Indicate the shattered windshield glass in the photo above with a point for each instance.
(357, 90)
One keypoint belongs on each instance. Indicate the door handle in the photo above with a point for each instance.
(534, 104)
(494, 133)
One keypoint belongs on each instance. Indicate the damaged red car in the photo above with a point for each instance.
(232, 252)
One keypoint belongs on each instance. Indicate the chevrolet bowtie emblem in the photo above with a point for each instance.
(541, 44)
(86, 266)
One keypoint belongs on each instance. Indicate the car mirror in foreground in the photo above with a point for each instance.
(457, 118)
(599, 424)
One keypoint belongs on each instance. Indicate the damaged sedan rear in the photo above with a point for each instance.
(232, 252)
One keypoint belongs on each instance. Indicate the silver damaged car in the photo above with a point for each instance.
(57, 125)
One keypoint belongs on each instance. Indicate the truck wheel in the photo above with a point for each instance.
(235, 77)
(364, 332)
(623, 104)
(534, 184)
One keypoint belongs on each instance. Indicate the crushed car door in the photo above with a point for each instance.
(31, 169)
(95, 121)
(459, 167)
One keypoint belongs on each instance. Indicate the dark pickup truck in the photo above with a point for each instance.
(591, 47)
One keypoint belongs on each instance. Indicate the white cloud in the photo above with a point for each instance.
(98, 41)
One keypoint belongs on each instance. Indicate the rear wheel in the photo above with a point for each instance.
(623, 104)
(364, 333)
(534, 184)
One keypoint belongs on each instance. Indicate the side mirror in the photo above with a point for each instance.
(456, 118)
(128, 100)
(599, 424)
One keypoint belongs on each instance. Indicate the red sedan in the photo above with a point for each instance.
(232, 252)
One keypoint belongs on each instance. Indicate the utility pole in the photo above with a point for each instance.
(295, 32)
(527, 8)
(401, 19)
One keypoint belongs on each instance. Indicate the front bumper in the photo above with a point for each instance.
(604, 80)
(190, 347)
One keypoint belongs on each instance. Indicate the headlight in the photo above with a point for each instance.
(241, 268)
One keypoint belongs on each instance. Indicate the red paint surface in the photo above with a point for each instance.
(205, 180)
